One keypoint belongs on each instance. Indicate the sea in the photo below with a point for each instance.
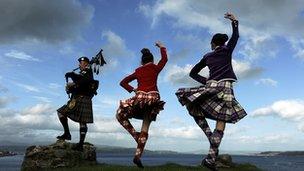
(271, 163)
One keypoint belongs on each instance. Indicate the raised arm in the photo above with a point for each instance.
(194, 73)
(125, 82)
(164, 59)
(235, 31)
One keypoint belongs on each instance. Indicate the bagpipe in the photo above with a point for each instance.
(95, 63)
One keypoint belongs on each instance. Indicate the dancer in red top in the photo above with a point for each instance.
(146, 103)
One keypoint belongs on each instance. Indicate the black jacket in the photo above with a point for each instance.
(83, 82)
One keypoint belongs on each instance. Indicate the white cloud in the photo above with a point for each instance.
(4, 101)
(28, 88)
(298, 47)
(274, 18)
(43, 99)
(40, 121)
(267, 81)
(260, 140)
(292, 110)
(185, 132)
(244, 70)
(179, 75)
(115, 46)
(54, 86)
(20, 55)
(287, 109)
(35, 118)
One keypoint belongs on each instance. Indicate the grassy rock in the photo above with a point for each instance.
(59, 154)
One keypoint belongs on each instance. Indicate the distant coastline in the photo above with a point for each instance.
(7, 153)
(11, 150)
(281, 153)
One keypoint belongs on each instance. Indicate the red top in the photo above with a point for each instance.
(146, 75)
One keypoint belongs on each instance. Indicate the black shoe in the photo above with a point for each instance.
(137, 161)
(64, 137)
(209, 165)
(77, 147)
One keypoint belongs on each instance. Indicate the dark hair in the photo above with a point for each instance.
(219, 39)
(146, 56)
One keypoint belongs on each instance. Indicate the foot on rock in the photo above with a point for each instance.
(64, 137)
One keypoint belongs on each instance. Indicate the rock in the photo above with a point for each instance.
(59, 154)
(225, 161)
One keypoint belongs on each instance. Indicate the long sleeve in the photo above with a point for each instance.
(164, 59)
(234, 37)
(84, 78)
(194, 73)
(125, 82)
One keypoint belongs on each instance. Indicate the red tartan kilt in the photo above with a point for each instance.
(141, 105)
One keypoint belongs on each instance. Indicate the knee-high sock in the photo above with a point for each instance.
(203, 124)
(83, 131)
(124, 121)
(215, 141)
(64, 122)
(143, 137)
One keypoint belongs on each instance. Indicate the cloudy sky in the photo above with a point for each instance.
(41, 40)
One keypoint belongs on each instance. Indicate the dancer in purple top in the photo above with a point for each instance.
(215, 98)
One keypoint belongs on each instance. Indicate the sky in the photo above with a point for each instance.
(41, 40)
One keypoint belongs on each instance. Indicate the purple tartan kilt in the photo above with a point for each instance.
(143, 104)
(215, 100)
(78, 109)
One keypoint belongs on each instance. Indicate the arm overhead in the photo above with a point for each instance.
(235, 31)
(164, 59)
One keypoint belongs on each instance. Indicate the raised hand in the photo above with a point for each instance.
(159, 44)
(230, 16)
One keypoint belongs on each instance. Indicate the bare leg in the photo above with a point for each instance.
(143, 137)
(64, 122)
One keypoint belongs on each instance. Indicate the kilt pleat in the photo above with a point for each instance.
(215, 100)
(143, 104)
(78, 109)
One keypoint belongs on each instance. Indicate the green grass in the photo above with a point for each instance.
(166, 167)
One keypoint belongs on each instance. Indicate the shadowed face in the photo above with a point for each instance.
(83, 65)
(212, 46)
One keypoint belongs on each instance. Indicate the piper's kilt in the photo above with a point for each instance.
(215, 100)
(78, 109)
(143, 104)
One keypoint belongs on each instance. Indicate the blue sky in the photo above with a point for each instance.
(41, 41)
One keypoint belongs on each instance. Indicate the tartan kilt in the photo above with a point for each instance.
(215, 100)
(78, 109)
(143, 104)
